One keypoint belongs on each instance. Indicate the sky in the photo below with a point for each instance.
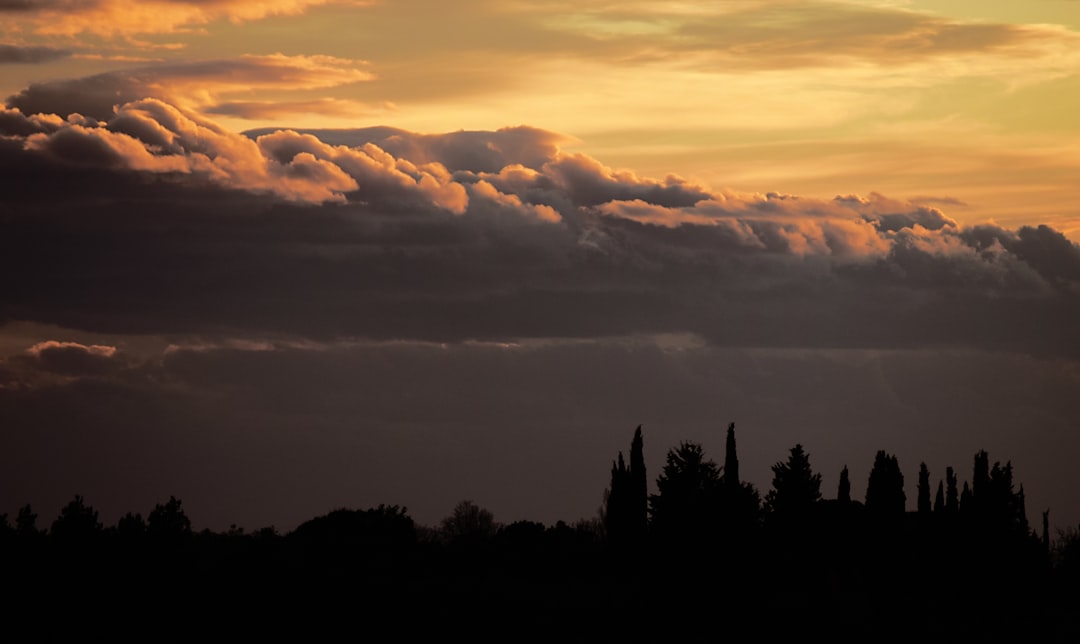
(279, 258)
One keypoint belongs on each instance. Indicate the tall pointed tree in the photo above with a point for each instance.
(939, 499)
(843, 492)
(952, 497)
(731, 460)
(626, 501)
(638, 505)
(980, 480)
(923, 503)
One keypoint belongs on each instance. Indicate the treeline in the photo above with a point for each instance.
(963, 562)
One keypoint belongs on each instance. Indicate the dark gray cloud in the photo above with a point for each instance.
(30, 54)
(277, 435)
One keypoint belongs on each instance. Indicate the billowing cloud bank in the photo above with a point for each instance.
(156, 220)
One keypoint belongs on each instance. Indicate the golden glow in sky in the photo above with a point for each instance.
(956, 104)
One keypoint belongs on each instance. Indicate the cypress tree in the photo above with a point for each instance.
(638, 504)
(952, 501)
(924, 489)
(731, 460)
(843, 493)
(939, 499)
(980, 480)
(626, 501)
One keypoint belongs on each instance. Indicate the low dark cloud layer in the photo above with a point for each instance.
(30, 54)
(275, 435)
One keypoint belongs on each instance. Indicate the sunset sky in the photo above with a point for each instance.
(276, 258)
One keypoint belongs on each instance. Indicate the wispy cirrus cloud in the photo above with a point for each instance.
(112, 18)
(190, 84)
(31, 54)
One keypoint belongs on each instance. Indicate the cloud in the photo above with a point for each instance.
(112, 18)
(745, 37)
(473, 151)
(175, 142)
(188, 84)
(284, 109)
(286, 233)
(52, 363)
(30, 54)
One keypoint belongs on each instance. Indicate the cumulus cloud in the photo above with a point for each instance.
(473, 151)
(488, 236)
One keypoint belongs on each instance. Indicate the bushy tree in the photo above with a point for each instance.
(468, 523)
(795, 487)
(885, 490)
(167, 521)
(131, 527)
(688, 494)
(77, 521)
(26, 522)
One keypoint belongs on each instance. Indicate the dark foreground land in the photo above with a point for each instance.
(705, 558)
(372, 572)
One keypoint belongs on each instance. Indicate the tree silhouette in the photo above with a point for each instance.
(731, 460)
(885, 490)
(939, 498)
(923, 503)
(965, 505)
(740, 503)
(77, 522)
(687, 501)
(468, 523)
(26, 522)
(980, 481)
(131, 527)
(625, 513)
(795, 487)
(843, 490)
(1004, 506)
(168, 522)
(952, 498)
